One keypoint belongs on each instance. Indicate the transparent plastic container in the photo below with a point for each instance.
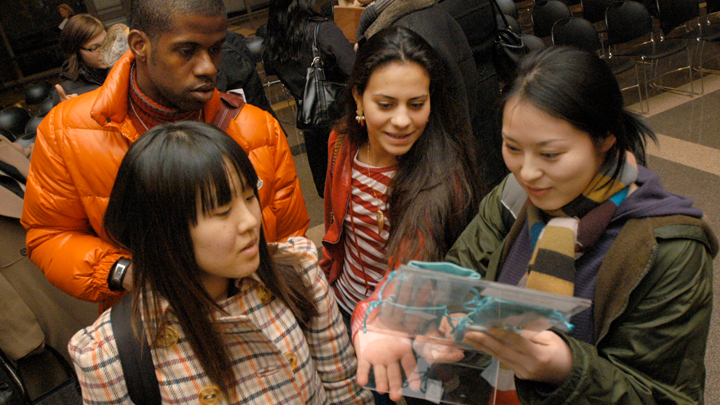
(432, 305)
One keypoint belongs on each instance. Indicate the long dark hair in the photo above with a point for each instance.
(578, 87)
(436, 189)
(153, 204)
(79, 29)
(288, 36)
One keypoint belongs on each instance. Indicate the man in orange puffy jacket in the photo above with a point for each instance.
(167, 75)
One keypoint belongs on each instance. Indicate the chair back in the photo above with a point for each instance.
(545, 14)
(627, 21)
(533, 43)
(508, 7)
(594, 10)
(576, 32)
(675, 13)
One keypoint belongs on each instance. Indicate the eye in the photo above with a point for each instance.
(416, 106)
(222, 211)
(215, 50)
(186, 52)
(511, 148)
(250, 197)
(550, 155)
(384, 105)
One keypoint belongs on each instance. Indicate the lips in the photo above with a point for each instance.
(251, 248)
(398, 136)
(537, 191)
(204, 91)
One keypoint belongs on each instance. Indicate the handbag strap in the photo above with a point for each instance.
(315, 49)
(135, 358)
(230, 106)
(502, 15)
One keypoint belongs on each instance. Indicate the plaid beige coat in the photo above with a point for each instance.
(276, 362)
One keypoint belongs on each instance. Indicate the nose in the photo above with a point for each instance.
(247, 220)
(401, 118)
(205, 66)
(530, 171)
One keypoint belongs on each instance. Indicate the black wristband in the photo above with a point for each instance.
(117, 274)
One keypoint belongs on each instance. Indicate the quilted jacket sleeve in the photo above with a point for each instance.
(262, 137)
(60, 238)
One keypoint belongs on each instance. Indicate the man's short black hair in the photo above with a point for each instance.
(154, 17)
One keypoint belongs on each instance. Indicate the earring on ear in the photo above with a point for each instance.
(360, 117)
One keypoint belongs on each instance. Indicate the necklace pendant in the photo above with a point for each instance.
(380, 221)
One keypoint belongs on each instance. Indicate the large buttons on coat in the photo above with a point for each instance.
(264, 294)
(292, 359)
(210, 395)
(168, 337)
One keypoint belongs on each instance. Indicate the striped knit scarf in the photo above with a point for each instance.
(146, 113)
(556, 241)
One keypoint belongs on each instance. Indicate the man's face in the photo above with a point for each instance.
(182, 63)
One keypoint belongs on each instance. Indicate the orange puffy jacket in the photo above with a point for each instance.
(76, 157)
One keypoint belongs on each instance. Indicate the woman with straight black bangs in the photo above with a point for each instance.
(248, 317)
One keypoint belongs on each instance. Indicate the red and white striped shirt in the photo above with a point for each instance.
(365, 256)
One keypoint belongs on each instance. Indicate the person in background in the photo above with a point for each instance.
(237, 72)
(83, 70)
(477, 20)
(288, 54)
(168, 75)
(580, 215)
(65, 12)
(254, 323)
(115, 44)
(401, 184)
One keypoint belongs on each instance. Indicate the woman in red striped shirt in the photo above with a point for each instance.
(401, 180)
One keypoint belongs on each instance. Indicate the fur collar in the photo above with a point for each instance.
(395, 11)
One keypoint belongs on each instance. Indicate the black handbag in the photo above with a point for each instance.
(317, 107)
(508, 51)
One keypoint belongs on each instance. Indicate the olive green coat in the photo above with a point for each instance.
(652, 306)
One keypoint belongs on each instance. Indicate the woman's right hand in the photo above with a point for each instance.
(388, 352)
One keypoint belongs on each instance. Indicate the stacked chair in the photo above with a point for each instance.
(544, 14)
(630, 21)
(581, 33)
(680, 19)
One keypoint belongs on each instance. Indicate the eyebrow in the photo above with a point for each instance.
(196, 44)
(543, 143)
(393, 98)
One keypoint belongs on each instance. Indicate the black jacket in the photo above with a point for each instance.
(237, 71)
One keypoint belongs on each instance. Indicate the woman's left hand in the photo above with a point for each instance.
(542, 357)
